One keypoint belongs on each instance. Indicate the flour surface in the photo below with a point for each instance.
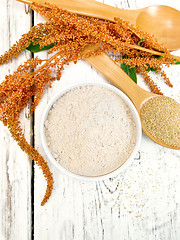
(90, 131)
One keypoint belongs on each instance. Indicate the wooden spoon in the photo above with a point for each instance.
(138, 96)
(162, 21)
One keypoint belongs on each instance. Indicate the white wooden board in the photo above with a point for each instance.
(15, 167)
(143, 202)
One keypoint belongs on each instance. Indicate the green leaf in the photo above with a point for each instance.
(141, 41)
(151, 69)
(156, 56)
(131, 72)
(177, 63)
(36, 48)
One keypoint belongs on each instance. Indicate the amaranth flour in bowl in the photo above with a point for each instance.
(90, 130)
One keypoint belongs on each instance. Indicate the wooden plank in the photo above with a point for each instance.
(141, 203)
(15, 167)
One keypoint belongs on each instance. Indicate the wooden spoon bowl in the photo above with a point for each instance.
(163, 22)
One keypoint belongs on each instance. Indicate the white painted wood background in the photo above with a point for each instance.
(142, 203)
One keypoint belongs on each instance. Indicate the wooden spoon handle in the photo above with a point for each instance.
(91, 8)
(118, 77)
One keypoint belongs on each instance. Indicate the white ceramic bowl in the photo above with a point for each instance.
(134, 114)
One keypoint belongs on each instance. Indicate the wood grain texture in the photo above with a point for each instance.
(15, 168)
(143, 202)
